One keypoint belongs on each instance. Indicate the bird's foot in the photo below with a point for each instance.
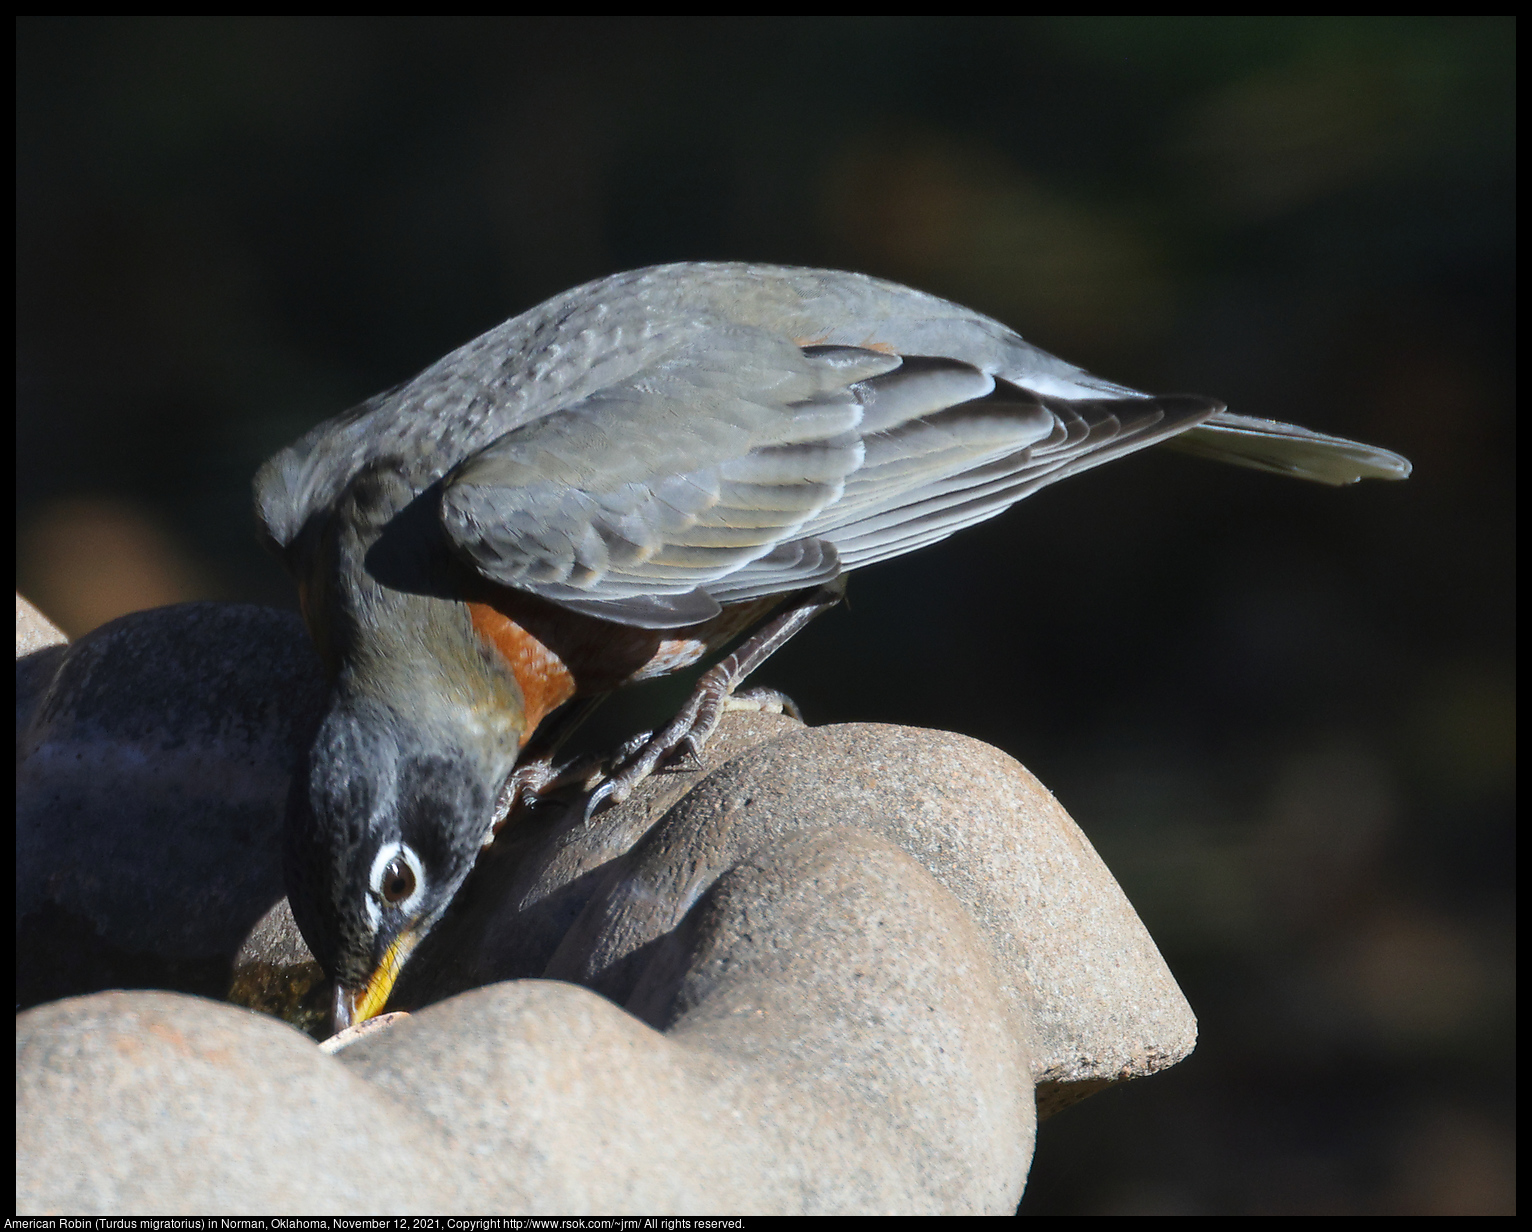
(678, 745)
(534, 780)
(683, 738)
(766, 701)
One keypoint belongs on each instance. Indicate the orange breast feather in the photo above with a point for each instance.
(546, 682)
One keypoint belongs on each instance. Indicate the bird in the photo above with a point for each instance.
(612, 486)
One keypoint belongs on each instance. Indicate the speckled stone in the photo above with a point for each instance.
(160, 1104)
(837, 1044)
(34, 631)
(1076, 964)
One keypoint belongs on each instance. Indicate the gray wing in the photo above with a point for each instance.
(659, 442)
(745, 465)
(603, 340)
(637, 501)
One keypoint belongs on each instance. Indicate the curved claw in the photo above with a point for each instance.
(599, 796)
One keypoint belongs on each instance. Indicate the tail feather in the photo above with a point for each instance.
(1286, 449)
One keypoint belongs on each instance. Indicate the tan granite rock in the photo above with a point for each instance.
(160, 1104)
(34, 631)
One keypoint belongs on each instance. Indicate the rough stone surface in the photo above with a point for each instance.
(34, 631)
(822, 972)
(152, 767)
(530, 887)
(588, 903)
(275, 972)
(1074, 959)
(837, 1045)
(347, 1036)
(160, 1103)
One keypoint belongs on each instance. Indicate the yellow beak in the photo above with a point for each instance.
(352, 1007)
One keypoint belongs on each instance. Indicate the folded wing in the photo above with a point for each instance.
(744, 466)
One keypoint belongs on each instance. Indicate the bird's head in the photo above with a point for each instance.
(384, 821)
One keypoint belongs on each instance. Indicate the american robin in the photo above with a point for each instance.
(614, 485)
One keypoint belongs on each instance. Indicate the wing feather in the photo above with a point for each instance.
(658, 442)
(773, 495)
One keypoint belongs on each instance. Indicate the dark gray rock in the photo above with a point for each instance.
(152, 765)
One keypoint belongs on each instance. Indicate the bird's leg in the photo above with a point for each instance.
(687, 734)
(536, 774)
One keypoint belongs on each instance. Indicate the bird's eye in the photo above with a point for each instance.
(398, 881)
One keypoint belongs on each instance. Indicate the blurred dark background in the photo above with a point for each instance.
(1283, 713)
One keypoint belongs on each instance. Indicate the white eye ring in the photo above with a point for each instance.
(387, 854)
